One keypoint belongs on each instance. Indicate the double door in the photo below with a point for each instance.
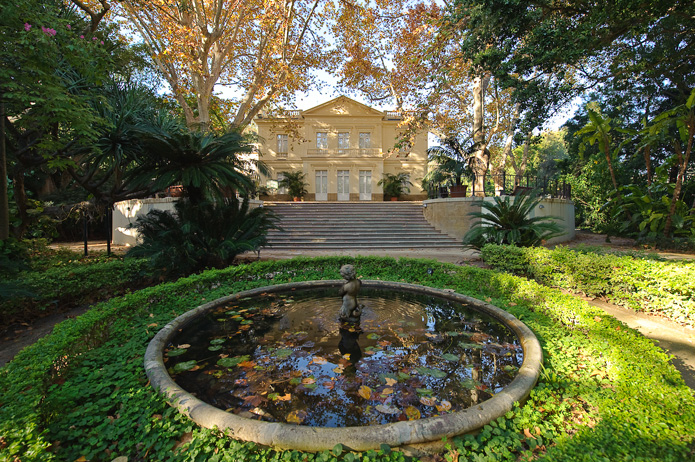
(343, 185)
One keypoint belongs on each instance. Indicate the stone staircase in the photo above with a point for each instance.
(354, 225)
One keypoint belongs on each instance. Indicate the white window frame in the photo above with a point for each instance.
(321, 140)
(365, 140)
(282, 143)
(343, 141)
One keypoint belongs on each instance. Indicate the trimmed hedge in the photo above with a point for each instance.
(606, 392)
(661, 286)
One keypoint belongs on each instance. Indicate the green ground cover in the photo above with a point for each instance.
(637, 281)
(606, 393)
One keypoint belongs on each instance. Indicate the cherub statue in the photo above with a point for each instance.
(351, 310)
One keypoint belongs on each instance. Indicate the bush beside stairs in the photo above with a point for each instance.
(354, 225)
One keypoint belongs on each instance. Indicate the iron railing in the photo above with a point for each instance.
(506, 184)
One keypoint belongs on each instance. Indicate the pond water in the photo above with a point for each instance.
(287, 358)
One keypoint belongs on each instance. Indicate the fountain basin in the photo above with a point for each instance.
(289, 436)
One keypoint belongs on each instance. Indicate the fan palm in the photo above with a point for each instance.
(506, 221)
(200, 236)
(204, 164)
(450, 163)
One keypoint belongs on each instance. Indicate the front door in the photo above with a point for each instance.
(343, 185)
(365, 185)
(321, 185)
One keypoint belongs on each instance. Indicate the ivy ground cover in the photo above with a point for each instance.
(606, 393)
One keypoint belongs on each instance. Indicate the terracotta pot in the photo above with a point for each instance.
(394, 199)
(297, 199)
(458, 191)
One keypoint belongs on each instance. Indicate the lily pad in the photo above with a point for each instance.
(215, 347)
(283, 353)
(185, 366)
(217, 341)
(373, 336)
(231, 362)
(176, 352)
(423, 391)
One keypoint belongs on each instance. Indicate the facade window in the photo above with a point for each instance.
(322, 140)
(343, 140)
(365, 140)
(282, 144)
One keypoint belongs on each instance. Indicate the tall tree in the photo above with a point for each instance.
(261, 50)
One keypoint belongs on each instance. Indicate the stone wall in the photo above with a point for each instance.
(451, 215)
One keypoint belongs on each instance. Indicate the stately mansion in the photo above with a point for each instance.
(343, 147)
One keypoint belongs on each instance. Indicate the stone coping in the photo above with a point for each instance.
(304, 438)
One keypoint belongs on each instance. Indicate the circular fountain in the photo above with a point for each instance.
(296, 367)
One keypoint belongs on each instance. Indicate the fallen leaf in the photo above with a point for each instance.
(365, 392)
(387, 391)
(385, 409)
(444, 406)
(318, 360)
(296, 417)
(154, 324)
(538, 431)
(339, 369)
(308, 380)
(427, 401)
(412, 413)
(597, 319)
(383, 343)
(528, 434)
(328, 384)
(185, 345)
(248, 364)
(390, 382)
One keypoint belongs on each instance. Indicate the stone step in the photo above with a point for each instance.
(353, 225)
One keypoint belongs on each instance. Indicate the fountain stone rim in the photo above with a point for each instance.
(304, 438)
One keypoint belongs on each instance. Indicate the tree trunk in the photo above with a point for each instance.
(4, 196)
(481, 155)
(683, 165)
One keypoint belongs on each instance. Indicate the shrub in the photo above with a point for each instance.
(508, 222)
(200, 236)
(605, 393)
(642, 284)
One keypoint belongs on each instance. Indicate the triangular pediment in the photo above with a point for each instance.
(342, 106)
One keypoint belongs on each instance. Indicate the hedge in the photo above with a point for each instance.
(606, 393)
(73, 283)
(666, 287)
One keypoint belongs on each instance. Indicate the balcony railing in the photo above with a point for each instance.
(504, 184)
(357, 152)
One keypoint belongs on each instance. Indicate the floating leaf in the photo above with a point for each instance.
(423, 391)
(283, 353)
(329, 384)
(403, 376)
(295, 381)
(450, 357)
(231, 362)
(387, 391)
(436, 373)
(386, 409)
(444, 406)
(215, 347)
(383, 343)
(176, 352)
(427, 401)
(319, 360)
(365, 392)
(296, 417)
(217, 341)
(247, 364)
(469, 345)
(469, 384)
(390, 382)
(412, 413)
(310, 386)
(308, 380)
(185, 345)
(185, 366)
(339, 369)
(453, 334)
(373, 336)
(510, 368)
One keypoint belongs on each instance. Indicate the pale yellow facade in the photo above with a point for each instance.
(343, 147)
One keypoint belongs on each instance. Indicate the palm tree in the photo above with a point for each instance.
(395, 185)
(294, 182)
(451, 163)
(204, 164)
(508, 222)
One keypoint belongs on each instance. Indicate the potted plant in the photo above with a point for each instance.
(451, 165)
(295, 184)
(395, 185)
